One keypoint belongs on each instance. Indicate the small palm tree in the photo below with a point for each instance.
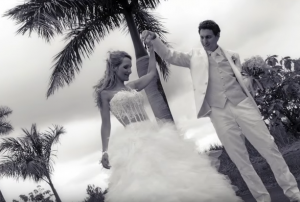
(88, 22)
(30, 156)
(5, 126)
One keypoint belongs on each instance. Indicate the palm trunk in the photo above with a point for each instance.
(154, 91)
(53, 189)
(155, 94)
(1, 197)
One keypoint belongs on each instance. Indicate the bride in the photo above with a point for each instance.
(150, 163)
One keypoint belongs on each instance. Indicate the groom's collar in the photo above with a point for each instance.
(216, 52)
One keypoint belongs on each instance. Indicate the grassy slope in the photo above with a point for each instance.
(291, 154)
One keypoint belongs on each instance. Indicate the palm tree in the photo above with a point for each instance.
(1, 197)
(88, 22)
(5, 126)
(30, 156)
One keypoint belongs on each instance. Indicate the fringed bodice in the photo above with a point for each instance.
(128, 107)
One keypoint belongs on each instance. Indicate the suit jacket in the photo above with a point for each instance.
(197, 61)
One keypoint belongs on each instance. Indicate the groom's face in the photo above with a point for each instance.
(208, 39)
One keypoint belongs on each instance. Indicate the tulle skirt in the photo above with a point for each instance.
(155, 164)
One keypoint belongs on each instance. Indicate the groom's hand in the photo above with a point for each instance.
(148, 36)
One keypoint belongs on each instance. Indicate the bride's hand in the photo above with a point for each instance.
(148, 36)
(105, 161)
(150, 48)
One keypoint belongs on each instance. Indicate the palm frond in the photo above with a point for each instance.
(13, 146)
(4, 112)
(34, 169)
(33, 137)
(8, 167)
(52, 137)
(145, 4)
(144, 20)
(163, 67)
(33, 16)
(20, 167)
(5, 127)
(82, 44)
(49, 17)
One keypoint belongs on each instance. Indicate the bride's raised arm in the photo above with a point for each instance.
(145, 80)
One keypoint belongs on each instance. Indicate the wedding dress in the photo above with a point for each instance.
(152, 163)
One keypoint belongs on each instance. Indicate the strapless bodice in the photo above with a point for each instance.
(128, 107)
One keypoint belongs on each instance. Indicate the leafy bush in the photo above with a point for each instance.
(37, 195)
(275, 86)
(95, 194)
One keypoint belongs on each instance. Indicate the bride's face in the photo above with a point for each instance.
(124, 70)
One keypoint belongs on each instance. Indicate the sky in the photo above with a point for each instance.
(257, 27)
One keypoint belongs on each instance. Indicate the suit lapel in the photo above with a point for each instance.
(235, 69)
(199, 74)
(238, 75)
(229, 58)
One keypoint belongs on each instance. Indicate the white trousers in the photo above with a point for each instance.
(233, 124)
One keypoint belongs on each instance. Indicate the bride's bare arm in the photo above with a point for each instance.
(145, 80)
(105, 127)
(105, 116)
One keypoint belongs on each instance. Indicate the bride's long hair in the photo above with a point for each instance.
(113, 61)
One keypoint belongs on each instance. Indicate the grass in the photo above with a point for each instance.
(291, 154)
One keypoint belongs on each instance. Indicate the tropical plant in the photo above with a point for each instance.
(252, 69)
(87, 23)
(95, 194)
(30, 156)
(5, 126)
(38, 195)
(278, 95)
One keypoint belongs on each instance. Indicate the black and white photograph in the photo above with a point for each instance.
(149, 101)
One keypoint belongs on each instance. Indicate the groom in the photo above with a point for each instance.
(221, 94)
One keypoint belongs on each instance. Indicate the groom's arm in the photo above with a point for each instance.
(171, 56)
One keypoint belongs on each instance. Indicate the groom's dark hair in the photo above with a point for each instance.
(211, 25)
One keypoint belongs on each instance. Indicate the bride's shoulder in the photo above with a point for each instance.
(106, 95)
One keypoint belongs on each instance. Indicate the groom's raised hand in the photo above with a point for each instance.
(148, 36)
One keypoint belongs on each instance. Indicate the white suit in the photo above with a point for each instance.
(234, 122)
